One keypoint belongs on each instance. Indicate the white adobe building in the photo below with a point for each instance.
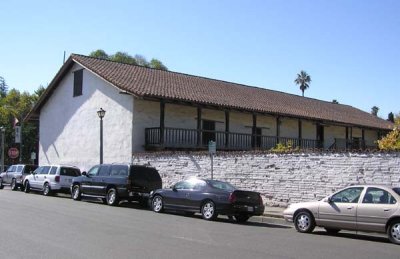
(149, 109)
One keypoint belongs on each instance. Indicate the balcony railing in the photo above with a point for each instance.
(352, 144)
(198, 139)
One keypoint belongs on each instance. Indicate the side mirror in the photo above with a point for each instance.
(84, 173)
(174, 189)
(329, 199)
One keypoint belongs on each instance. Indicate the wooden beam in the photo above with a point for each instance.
(278, 128)
(300, 131)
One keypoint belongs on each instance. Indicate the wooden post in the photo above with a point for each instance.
(300, 132)
(199, 127)
(254, 132)
(162, 121)
(278, 129)
(226, 129)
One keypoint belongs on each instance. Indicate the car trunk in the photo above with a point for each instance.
(246, 198)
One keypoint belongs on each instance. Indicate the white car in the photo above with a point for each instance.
(51, 179)
(369, 208)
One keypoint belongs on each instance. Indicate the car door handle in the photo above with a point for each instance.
(386, 209)
(45, 177)
(350, 208)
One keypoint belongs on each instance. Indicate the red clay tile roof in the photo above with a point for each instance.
(147, 82)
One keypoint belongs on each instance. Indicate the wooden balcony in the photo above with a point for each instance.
(176, 138)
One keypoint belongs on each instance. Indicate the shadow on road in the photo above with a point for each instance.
(357, 236)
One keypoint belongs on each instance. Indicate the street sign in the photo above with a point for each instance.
(212, 147)
(17, 134)
(13, 153)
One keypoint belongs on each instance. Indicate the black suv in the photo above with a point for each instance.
(115, 182)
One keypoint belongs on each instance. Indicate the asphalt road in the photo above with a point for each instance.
(34, 226)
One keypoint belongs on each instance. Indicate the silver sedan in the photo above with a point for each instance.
(368, 208)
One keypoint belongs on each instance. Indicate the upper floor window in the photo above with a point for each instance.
(78, 81)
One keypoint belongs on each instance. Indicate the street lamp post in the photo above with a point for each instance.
(3, 130)
(101, 114)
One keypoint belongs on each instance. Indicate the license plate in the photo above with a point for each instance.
(250, 209)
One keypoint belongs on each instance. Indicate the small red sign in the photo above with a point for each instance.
(13, 153)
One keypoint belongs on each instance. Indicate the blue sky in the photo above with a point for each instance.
(351, 49)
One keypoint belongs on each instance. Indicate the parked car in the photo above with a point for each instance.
(51, 179)
(115, 182)
(368, 208)
(15, 174)
(210, 198)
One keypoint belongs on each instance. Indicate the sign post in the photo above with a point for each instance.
(212, 150)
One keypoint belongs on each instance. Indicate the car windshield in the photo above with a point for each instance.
(397, 190)
(222, 185)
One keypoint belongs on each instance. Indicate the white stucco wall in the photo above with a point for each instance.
(332, 132)
(289, 128)
(70, 127)
(371, 137)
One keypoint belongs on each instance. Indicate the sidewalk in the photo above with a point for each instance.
(274, 212)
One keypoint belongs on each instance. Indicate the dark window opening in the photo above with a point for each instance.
(208, 131)
(78, 81)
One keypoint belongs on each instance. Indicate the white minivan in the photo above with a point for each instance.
(50, 179)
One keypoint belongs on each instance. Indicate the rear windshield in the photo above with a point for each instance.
(145, 173)
(221, 185)
(397, 190)
(70, 171)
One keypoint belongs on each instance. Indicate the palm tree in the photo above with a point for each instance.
(303, 79)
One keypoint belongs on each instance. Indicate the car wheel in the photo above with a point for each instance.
(13, 184)
(304, 222)
(208, 210)
(76, 192)
(1, 183)
(394, 232)
(241, 218)
(112, 197)
(157, 204)
(27, 187)
(46, 189)
(332, 230)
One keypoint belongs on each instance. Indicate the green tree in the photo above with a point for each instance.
(157, 64)
(124, 57)
(99, 54)
(374, 110)
(303, 80)
(391, 142)
(3, 87)
(38, 92)
(391, 117)
(335, 101)
(16, 105)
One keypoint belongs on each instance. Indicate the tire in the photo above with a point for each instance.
(76, 194)
(241, 218)
(1, 183)
(332, 230)
(14, 184)
(46, 189)
(27, 187)
(157, 204)
(208, 210)
(112, 197)
(393, 232)
(304, 222)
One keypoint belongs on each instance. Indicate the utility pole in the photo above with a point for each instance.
(3, 130)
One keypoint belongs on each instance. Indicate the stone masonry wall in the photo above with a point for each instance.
(280, 178)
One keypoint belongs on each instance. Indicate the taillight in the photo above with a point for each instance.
(232, 198)
(260, 200)
(57, 178)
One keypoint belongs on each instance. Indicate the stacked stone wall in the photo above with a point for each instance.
(280, 178)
